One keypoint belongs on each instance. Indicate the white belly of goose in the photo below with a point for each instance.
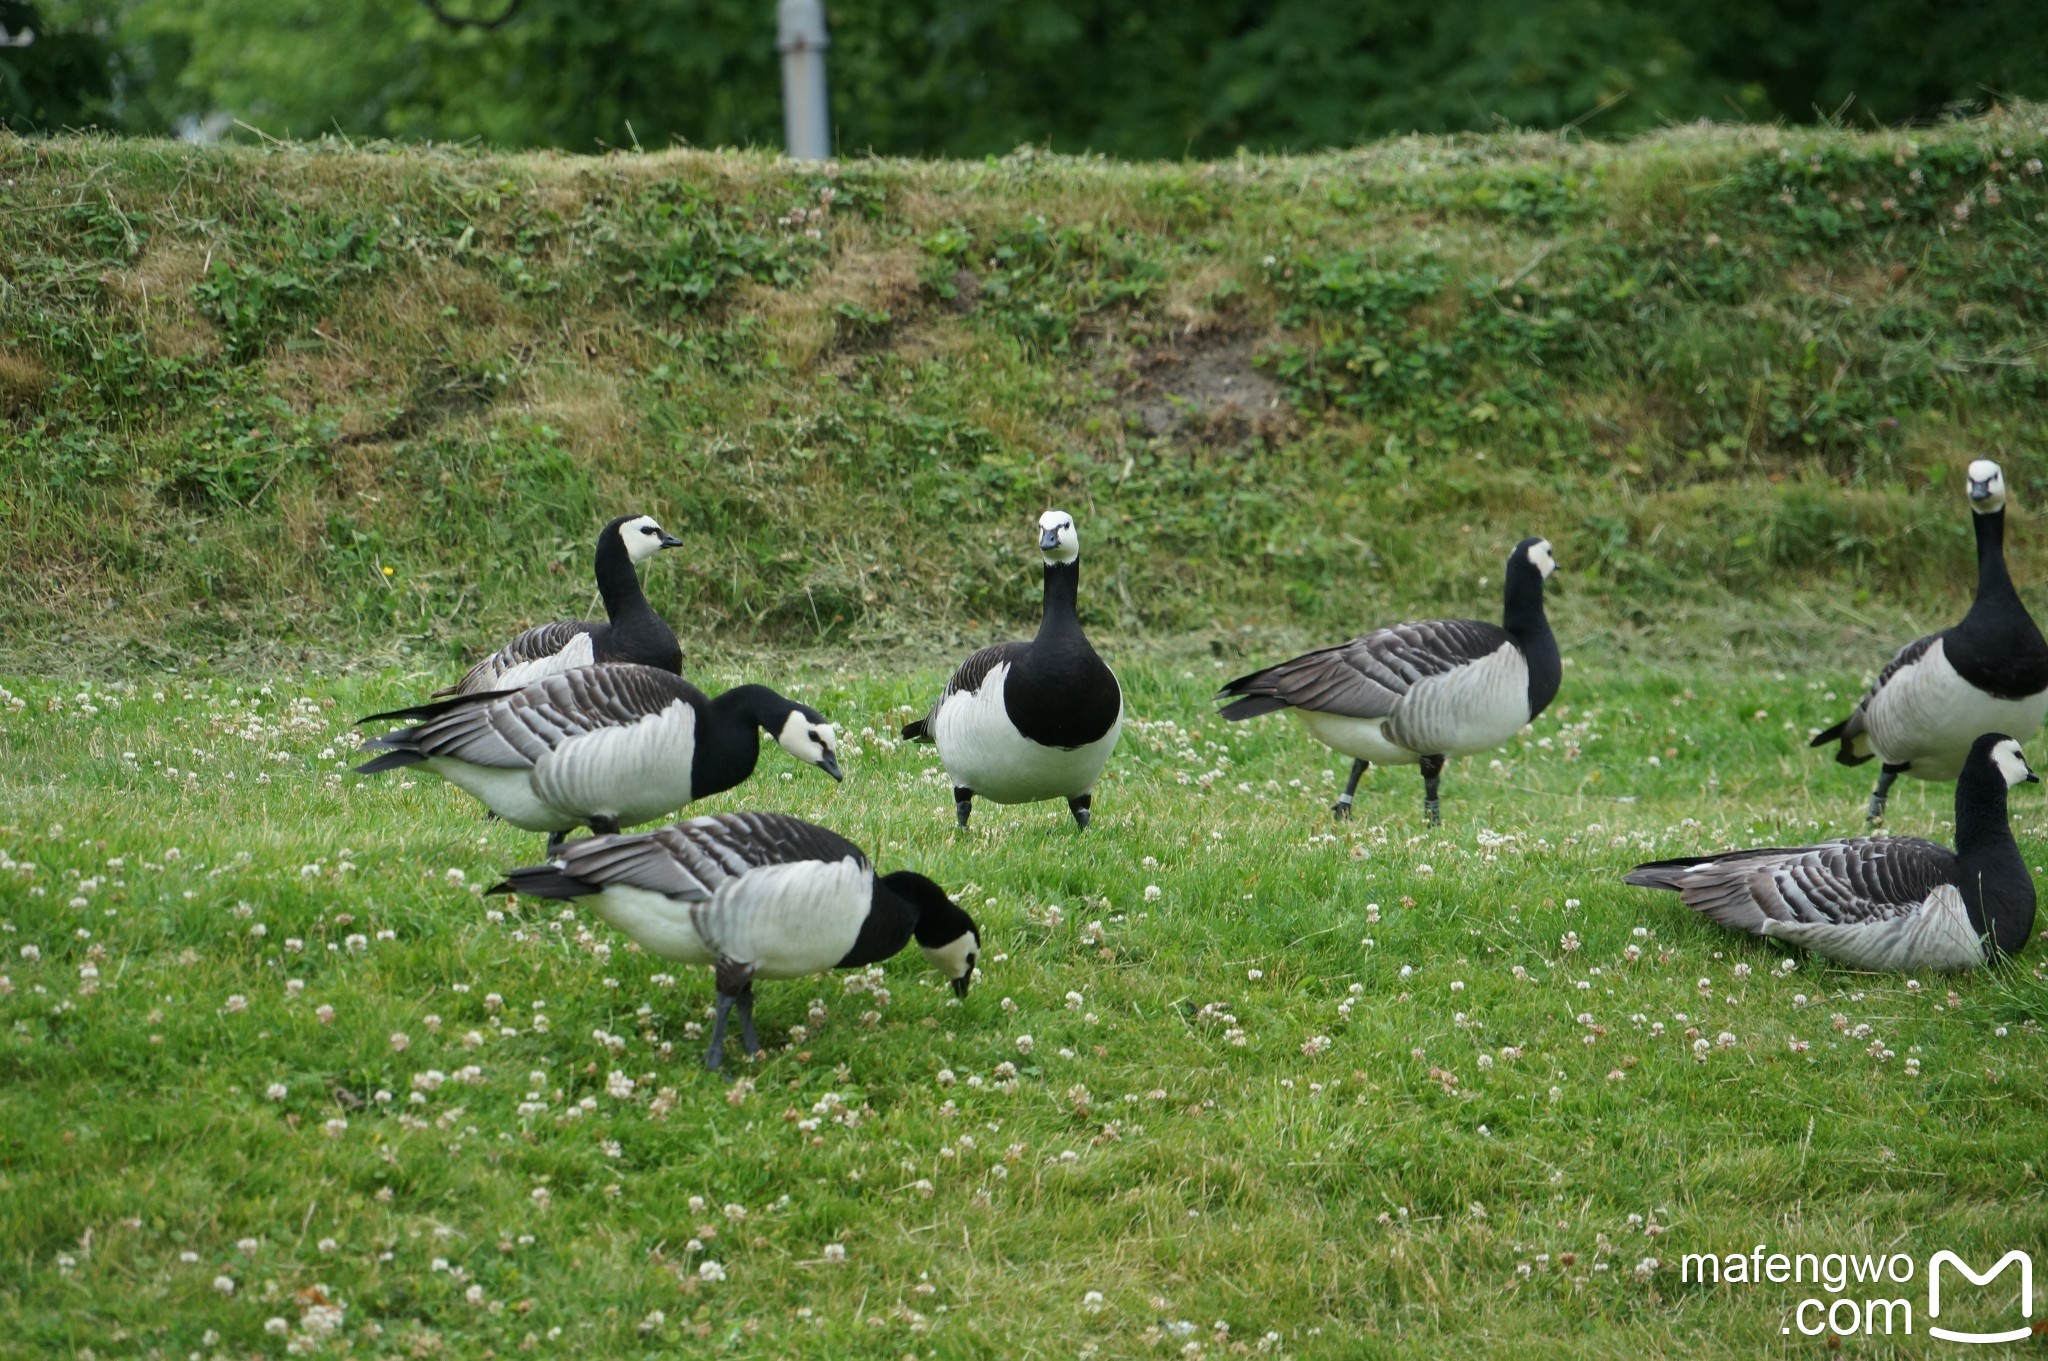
(632, 773)
(1362, 739)
(783, 921)
(787, 921)
(506, 791)
(1471, 709)
(1936, 935)
(983, 751)
(1928, 715)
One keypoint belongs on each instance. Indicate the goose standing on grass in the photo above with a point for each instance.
(1893, 902)
(1418, 694)
(1987, 674)
(756, 895)
(633, 631)
(1020, 722)
(600, 746)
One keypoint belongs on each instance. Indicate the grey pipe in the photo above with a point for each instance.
(806, 118)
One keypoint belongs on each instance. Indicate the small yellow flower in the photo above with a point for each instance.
(387, 571)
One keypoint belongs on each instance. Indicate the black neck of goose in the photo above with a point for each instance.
(728, 737)
(1997, 647)
(1523, 617)
(891, 920)
(1062, 588)
(617, 582)
(1996, 598)
(1996, 888)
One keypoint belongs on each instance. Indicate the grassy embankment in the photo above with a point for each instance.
(355, 403)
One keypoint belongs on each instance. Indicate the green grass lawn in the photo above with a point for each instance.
(1236, 1078)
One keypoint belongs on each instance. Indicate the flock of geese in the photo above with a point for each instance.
(591, 724)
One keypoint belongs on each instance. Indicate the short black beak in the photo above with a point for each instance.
(830, 765)
(960, 985)
(2032, 778)
(1048, 539)
(669, 540)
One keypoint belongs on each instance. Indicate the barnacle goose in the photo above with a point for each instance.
(1415, 694)
(756, 895)
(1987, 674)
(634, 633)
(1020, 722)
(1882, 902)
(603, 746)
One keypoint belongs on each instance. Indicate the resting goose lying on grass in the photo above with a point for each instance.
(602, 746)
(633, 633)
(1020, 722)
(1989, 673)
(756, 895)
(1882, 902)
(1417, 694)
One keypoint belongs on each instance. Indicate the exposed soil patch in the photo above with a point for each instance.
(1203, 387)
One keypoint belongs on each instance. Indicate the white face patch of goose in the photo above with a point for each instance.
(1067, 544)
(955, 959)
(808, 740)
(1540, 558)
(1986, 486)
(642, 537)
(2011, 762)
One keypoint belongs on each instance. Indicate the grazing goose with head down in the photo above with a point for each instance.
(756, 895)
(633, 631)
(1020, 722)
(1882, 902)
(1989, 673)
(602, 746)
(1417, 694)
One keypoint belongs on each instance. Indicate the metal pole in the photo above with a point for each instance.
(806, 119)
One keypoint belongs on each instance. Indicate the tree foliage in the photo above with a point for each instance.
(971, 77)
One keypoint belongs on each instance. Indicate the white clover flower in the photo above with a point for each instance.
(710, 1271)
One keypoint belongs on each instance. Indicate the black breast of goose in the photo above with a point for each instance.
(1417, 694)
(1882, 902)
(1989, 673)
(1020, 722)
(602, 746)
(633, 632)
(756, 895)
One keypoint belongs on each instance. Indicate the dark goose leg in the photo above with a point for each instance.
(1432, 767)
(1343, 805)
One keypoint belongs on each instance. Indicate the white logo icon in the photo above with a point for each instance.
(2026, 1294)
